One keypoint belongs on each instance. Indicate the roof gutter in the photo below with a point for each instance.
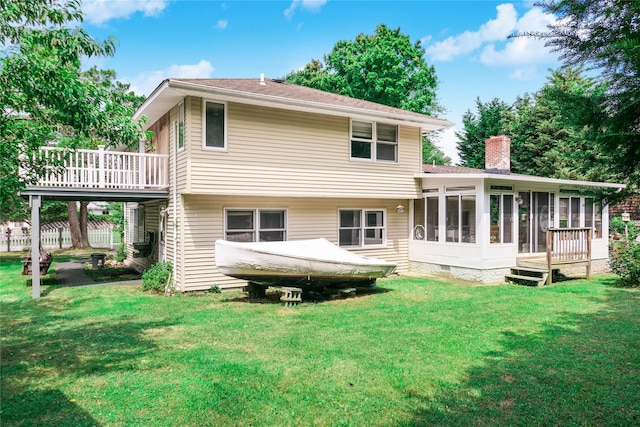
(519, 178)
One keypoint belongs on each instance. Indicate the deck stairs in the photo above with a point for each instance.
(531, 276)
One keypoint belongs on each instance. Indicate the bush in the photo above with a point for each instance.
(625, 261)
(121, 252)
(157, 278)
(617, 228)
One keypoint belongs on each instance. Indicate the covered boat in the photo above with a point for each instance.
(314, 262)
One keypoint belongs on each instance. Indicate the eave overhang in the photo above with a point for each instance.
(520, 178)
(170, 92)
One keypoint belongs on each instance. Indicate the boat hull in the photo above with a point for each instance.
(301, 263)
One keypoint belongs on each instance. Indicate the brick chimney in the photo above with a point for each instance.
(497, 158)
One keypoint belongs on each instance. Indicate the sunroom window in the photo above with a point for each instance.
(460, 212)
(501, 230)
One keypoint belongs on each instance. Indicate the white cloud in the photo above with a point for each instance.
(100, 11)
(309, 5)
(492, 41)
(145, 83)
(222, 24)
(493, 30)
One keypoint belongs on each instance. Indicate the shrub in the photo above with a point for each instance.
(617, 228)
(158, 278)
(625, 261)
(121, 252)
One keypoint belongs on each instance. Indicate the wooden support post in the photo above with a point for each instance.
(549, 259)
(35, 202)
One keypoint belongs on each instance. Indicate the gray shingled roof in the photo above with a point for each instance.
(450, 169)
(280, 89)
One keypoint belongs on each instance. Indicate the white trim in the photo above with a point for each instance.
(374, 142)
(363, 227)
(518, 178)
(256, 221)
(204, 125)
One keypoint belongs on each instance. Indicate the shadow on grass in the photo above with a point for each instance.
(273, 297)
(41, 342)
(584, 369)
(46, 407)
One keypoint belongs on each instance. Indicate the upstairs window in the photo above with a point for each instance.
(180, 127)
(374, 141)
(215, 134)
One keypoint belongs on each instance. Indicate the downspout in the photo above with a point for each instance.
(175, 204)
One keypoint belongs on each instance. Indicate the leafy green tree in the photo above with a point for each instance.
(546, 139)
(432, 154)
(45, 95)
(489, 120)
(603, 35)
(385, 68)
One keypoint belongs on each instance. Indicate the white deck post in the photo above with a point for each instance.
(142, 165)
(35, 203)
(101, 167)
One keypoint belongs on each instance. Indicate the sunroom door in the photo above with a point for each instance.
(535, 214)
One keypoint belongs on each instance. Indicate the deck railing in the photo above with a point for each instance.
(568, 246)
(102, 169)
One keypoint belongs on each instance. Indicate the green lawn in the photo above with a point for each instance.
(416, 352)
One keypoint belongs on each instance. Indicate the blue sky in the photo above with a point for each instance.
(466, 42)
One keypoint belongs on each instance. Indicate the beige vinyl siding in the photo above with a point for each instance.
(273, 152)
(306, 219)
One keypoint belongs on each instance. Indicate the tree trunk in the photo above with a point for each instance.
(84, 222)
(74, 225)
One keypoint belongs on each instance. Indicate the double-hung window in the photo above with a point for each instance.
(361, 227)
(374, 141)
(255, 225)
(214, 124)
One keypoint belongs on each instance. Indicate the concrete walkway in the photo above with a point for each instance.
(71, 273)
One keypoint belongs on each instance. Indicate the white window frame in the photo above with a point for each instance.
(501, 218)
(363, 227)
(257, 227)
(204, 124)
(180, 118)
(136, 223)
(373, 141)
(460, 192)
(582, 212)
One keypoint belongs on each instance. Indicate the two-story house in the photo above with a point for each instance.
(263, 160)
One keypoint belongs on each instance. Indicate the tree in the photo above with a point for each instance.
(385, 68)
(45, 95)
(490, 120)
(605, 36)
(432, 154)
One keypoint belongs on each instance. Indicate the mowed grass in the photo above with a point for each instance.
(415, 352)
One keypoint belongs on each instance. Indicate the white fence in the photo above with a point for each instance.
(55, 239)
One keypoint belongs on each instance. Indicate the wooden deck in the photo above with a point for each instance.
(565, 246)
